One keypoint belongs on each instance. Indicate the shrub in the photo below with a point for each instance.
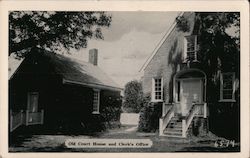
(133, 97)
(111, 110)
(149, 116)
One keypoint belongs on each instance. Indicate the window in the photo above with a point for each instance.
(227, 87)
(190, 48)
(96, 101)
(157, 89)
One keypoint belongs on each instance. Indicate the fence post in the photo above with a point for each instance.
(184, 128)
(27, 118)
(42, 116)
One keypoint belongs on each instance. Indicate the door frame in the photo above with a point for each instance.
(184, 107)
(28, 100)
(177, 78)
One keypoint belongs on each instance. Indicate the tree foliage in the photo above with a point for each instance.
(133, 96)
(54, 30)
(219, 40)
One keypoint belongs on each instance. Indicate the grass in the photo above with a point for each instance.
(56, 143)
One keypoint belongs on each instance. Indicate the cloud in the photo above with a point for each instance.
(128, 44)
(142, 21)
(136, 55)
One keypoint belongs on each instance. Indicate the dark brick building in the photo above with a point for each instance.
(174, 78)
(61, 94)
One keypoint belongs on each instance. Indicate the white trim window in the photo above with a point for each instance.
(157, 90)
(190, 48)
(227, 87)
(96, 101)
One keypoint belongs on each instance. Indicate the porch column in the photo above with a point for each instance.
(42, 116)
(163, 109)
(27, 118)
(21, 117)
(11, 120)
(205, 110)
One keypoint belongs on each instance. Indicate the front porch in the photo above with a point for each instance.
(189, 104)
(173, 124)
(25, 118)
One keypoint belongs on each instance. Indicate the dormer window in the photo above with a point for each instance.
(190, 48)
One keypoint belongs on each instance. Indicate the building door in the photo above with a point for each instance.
(33, 101)
(190, 92)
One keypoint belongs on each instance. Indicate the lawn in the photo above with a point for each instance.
(56, 143)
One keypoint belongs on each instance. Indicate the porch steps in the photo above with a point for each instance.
(174, 128)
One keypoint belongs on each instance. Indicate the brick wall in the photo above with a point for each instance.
(167, 61)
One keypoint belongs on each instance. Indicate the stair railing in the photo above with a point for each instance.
(25, 118)
(164, 120)
(187, 121)
(15, 120)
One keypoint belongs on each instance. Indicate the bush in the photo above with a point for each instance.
(133, 97)
(111, 111)
(149, 116)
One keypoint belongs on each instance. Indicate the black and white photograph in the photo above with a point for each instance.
(96, 81)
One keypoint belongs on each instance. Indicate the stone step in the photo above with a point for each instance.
(174, 136)
(175, 119)
(175, 125)
(173, 129)
(173, 132)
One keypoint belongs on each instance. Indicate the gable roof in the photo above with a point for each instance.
(159, 44)
(79, 72)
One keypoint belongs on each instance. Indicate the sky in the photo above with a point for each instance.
(128, 42)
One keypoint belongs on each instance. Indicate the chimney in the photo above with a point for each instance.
(93, 56)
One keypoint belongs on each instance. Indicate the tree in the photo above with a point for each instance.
(54, 30)
(218, 49)
(133, 96)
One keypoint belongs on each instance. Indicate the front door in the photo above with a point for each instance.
(33, 101)
(190, 92)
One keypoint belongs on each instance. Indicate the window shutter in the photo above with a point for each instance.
(162, 88)
(153, 90)
(185, 50)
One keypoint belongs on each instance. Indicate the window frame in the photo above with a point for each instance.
(195, 48)
(233, 87)
(98, 102)
(153, 99)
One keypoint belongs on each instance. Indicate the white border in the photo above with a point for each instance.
(241, 6)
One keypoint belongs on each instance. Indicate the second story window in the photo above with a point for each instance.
(190, 48)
